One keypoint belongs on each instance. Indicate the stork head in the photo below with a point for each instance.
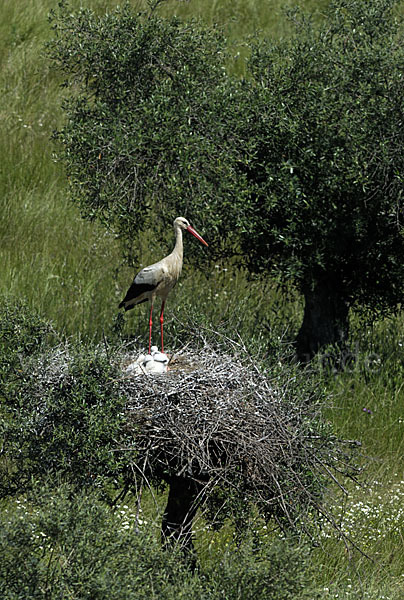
(183, 224)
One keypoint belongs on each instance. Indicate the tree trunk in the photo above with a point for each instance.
(180, 511)
(325, 323)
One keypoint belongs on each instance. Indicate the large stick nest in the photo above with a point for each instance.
(233, 429)
(242, 435)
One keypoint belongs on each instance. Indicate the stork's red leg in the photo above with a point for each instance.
(150, 326)
(161, 324)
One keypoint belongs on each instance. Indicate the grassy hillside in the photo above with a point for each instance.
(72, 272)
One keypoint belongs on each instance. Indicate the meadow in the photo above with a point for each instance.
(72, 271)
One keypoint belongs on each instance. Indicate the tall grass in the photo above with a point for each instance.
(71, 271)
(366, 404)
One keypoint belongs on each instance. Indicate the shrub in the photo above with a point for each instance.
(279, 571)
(59, 544)
(23, 333)
(64, 419)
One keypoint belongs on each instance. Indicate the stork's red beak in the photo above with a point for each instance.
(196, 234)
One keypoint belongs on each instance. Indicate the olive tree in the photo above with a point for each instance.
(297, 168)
(328, 129)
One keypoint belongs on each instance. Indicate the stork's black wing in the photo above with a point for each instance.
(135, 291)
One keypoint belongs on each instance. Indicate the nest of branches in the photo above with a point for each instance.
(239, 434)
(224, 432)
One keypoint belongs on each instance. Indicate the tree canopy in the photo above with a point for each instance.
(297, 168)
(329, 133)
(151, 122)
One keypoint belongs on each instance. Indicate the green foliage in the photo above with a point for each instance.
(67, 545)
(23, 333)
(328, 127)
(151, 121)
(277, 572)
(61, 544)
(63, 417)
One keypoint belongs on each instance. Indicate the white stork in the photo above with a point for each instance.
(160, 278)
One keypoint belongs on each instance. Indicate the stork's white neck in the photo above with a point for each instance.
(178, 248)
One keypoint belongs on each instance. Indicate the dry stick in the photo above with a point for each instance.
(146, 480)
